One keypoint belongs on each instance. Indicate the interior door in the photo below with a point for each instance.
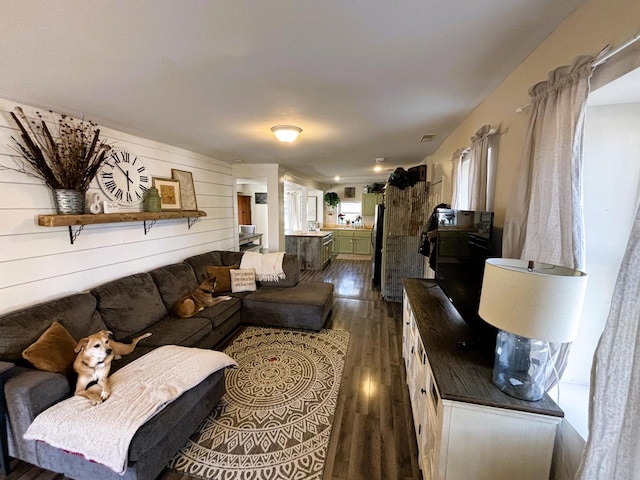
(244, 210)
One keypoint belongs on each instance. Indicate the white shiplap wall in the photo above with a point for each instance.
(39, 263)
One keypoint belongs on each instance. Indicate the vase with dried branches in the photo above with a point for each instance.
(65, 157)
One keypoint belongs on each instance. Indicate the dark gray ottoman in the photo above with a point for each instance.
(305, 305)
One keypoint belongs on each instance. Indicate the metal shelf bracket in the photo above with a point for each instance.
(191, 222)
(74, 235)
(147, 228)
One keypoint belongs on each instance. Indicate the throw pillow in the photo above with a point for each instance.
(53, 351)
(223, 277)
(243, 280)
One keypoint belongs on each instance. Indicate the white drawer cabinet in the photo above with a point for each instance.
(471, 431)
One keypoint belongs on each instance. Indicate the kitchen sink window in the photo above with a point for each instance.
(350, 212)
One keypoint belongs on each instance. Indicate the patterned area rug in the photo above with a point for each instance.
(274, 422)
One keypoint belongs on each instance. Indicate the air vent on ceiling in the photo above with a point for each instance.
(427, 137)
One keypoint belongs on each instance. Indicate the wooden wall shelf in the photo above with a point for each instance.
(92, 219)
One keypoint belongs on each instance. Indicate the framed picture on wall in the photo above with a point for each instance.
(169, 190)
(312, 209)
(187, 190)
(261, 198)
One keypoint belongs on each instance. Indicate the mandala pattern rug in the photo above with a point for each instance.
(275, 420)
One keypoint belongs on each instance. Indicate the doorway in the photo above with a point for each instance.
(244, 210)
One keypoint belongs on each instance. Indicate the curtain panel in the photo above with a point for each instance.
(613, 447)
(456, 180)
(544, 220)
(479, 169)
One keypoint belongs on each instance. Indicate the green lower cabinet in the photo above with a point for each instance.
(355, 242)
(344, 244)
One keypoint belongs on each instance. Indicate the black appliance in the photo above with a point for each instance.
(463, 245)
(376, 246)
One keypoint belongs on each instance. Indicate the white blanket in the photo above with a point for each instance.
(140, 390)
(268, 265)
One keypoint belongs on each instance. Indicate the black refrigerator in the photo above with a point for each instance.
(376, 244)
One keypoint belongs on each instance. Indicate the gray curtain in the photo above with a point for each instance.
(613, 447)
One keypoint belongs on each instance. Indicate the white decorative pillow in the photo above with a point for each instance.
(243, 280)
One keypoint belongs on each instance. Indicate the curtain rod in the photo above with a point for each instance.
(599, 61)
(616, 50)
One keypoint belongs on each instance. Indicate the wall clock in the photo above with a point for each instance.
(124, 178)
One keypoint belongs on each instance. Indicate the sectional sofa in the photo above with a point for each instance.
(129, 306)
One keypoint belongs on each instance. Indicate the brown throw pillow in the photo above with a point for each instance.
(223, 277)
(53, 351)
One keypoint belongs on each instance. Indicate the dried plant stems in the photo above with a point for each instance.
(67, 160)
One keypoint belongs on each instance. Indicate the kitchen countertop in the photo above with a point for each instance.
(306, 234)
(340, 227)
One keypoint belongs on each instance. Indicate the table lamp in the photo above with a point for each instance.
(531, 304)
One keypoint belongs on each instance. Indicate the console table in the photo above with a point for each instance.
(251, 243)
(465, 426)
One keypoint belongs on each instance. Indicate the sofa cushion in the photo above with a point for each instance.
(178, 331)
(23, 327)
(305, 306)
(53, 351)
(174, 281)
(199, 264)
(220, 312)
(231, 258)
(130, 304)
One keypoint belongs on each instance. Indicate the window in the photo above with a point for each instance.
(350, 210)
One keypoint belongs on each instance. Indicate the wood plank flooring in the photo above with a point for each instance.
(372, 436)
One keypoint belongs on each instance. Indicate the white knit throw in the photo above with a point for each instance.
(140, 390)
(268, 265)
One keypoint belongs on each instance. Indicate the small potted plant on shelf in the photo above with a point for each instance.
(63, 152)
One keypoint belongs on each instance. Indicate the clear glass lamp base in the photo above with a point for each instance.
(522, 366)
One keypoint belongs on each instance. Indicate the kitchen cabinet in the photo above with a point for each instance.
(465, 426)
(369, 202)
(353, 241)
(313, 248)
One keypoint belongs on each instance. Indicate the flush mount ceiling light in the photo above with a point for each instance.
(286, 133)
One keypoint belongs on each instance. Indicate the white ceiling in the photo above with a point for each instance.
(363, 79)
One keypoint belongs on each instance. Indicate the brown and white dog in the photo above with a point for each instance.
(196, 301)
(93, 363)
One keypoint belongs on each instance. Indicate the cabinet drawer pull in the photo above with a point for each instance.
(423, 391)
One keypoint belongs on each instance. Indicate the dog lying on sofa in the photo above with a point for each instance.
(196, 301)
(93, 363)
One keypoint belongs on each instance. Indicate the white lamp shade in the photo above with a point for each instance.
(544, 303)
(286, 133)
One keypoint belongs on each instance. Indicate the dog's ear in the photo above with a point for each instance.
(81, 344)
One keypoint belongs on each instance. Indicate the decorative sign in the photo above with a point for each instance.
(261, 198)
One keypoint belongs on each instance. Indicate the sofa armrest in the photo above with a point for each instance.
(29, 392)
(5, 367)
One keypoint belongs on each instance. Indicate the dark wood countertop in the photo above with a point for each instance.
(461, 375)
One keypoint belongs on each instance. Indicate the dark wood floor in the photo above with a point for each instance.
(372, 436)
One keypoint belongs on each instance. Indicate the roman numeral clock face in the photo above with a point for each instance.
(124, 178)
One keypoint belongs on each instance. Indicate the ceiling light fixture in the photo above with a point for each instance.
(286, 133)
(377, 168)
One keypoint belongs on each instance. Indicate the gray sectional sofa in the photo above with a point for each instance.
(129, 306)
